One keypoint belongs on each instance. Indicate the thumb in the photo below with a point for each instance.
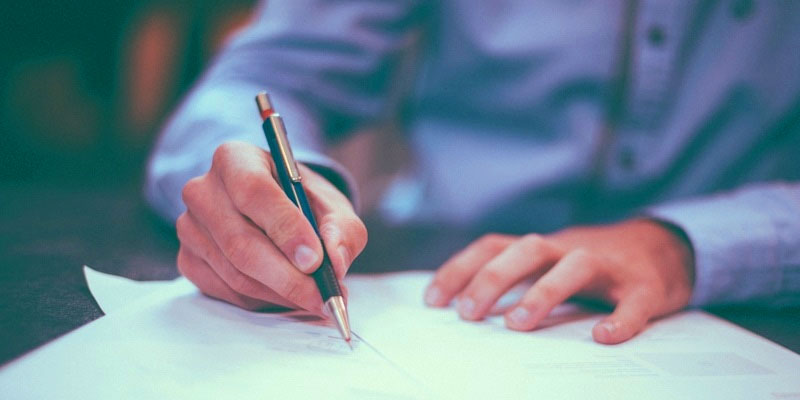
(629, 318)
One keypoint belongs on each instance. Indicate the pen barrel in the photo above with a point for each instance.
(324, 276)
(326, 280)
(272, 126)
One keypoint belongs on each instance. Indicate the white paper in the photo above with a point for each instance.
(689, 355)
(112, 292)
(176, 343)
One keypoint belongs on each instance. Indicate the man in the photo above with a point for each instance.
(659, 140)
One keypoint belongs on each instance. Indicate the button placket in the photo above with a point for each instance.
(659, 32)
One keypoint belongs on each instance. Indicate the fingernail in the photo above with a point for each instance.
(519, 316)
(305, 258)
(466, 307)
(433, 296)
(609, 326)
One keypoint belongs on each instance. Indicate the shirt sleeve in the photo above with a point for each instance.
(331, 67)
(746, 244)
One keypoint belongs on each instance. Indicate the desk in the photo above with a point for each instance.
(48, 232)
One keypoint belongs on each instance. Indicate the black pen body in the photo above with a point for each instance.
(324, 276)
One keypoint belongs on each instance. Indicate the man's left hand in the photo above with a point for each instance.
(639, 266)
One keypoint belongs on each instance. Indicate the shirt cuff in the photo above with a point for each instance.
(735, 250)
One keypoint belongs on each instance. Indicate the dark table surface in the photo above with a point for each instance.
(48, 232)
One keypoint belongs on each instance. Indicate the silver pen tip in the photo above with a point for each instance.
(338, 311)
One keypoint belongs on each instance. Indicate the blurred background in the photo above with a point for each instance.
(85, 85)
(84, 88)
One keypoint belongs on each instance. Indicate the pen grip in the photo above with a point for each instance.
(324, 275)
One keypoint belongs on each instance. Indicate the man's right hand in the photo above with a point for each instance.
(243, 241)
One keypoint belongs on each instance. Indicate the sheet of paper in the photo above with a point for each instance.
(689, 355)
(112, 292)
(178, 344)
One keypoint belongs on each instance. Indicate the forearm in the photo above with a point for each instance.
(188, 141)
(329, 73)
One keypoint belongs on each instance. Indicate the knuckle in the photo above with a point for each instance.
(224, 153)
(492, 277)
(488, 238)
(588, 259)
(534, 242)
(182, 227)
(250, 191)
(548, 291)
(583, 254)
(357, 233)
(328, 227)
(240, 250)
(493, 241)
(284, 224)
(191, 191)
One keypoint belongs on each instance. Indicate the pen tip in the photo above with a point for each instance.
(338, 311)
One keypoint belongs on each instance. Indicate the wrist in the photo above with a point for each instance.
(680, 248)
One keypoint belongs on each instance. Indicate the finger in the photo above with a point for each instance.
(344, 237)
(457, 272)
(343, 233)
(246, 246)
(571, 274)
(629, 318)
(195, 238)
(201, 275)
(246, 173)
(528, 255)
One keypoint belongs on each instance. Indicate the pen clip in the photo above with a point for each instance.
(283, 147)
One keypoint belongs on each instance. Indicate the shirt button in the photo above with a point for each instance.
(626, 159)
(742, 9)
(656, 35)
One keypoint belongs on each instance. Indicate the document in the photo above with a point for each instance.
(174, 343)
(690, 355)
(169, 341)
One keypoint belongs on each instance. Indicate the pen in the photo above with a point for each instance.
(291, 182)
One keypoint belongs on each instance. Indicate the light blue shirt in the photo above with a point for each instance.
(535, 115)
